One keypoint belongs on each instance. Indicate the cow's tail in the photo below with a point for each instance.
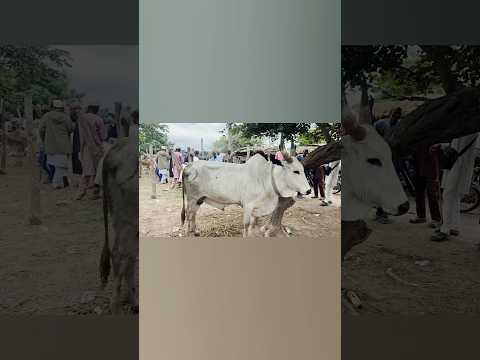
(105, 257)
(183, 201)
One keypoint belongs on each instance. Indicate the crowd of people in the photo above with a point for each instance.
(72, 144)
(443, 188)
(169, 164)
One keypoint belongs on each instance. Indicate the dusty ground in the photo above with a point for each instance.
(50, 268)
(428, 277)
(161, 216)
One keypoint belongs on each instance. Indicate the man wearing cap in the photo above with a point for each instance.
(54, 130)
(163, 159)
(92, 134)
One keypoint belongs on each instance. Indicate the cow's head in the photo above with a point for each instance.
(290, 177)
(368, 176)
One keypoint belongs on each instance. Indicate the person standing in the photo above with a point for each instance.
(163, 160)
(228, 157)
(456, 183)
(177, 162)
(319, 182)
(189, 155)
(92, 134)
(54, 130)
(427, 175)
(76, 163)
(214, 157)
(195, 156)
(331, 182)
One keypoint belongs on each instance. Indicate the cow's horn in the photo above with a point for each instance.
(351, 125)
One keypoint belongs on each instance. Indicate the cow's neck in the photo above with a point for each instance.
(274, 184)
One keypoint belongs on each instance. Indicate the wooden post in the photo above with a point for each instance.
(140, 166)
(34, 178)
(3, 122)
(154, 181)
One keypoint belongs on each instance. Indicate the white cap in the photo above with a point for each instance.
(57, 104)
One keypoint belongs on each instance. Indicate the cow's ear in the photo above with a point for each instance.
(277, 162)
(351, 126)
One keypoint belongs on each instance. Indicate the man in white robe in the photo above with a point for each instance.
(456, 183)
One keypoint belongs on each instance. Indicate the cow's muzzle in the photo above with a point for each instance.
(403, 208)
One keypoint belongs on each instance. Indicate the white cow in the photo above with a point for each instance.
(369, 179)
(120, 182)
(256, 186)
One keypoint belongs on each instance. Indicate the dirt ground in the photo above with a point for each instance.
(398, 270)
(50, 268)
(160, 217)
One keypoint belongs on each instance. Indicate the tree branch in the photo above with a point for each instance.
(323, 155)
(409, 98)
(438, 120)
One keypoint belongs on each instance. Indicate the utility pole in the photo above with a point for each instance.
(229, 136)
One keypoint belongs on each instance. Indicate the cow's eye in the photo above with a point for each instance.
(375, 161)
(297, 172)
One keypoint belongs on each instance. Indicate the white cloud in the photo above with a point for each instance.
(190, 134)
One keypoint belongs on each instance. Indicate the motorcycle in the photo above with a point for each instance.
(471, 201)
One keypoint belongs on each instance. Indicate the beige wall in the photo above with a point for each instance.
(228, 299)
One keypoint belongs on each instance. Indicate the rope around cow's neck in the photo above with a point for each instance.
(275, 188)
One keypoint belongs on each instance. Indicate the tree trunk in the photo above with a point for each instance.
(364, 116)
(35, 174)
(293, 148)
(281, 146)
(442, 62)
(439, 120)
(323, 155)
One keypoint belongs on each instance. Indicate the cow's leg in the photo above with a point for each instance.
(130, 255)
(192, 208)
(251, 226)
(247, 217)
(274, 227)
(132, 298)
(117, 280)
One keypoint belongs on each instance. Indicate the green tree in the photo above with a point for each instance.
(234, 139)
(283, 131)
(411, 72)
(36, 69)
(321, 132)
(152, 134)
(360, 64)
